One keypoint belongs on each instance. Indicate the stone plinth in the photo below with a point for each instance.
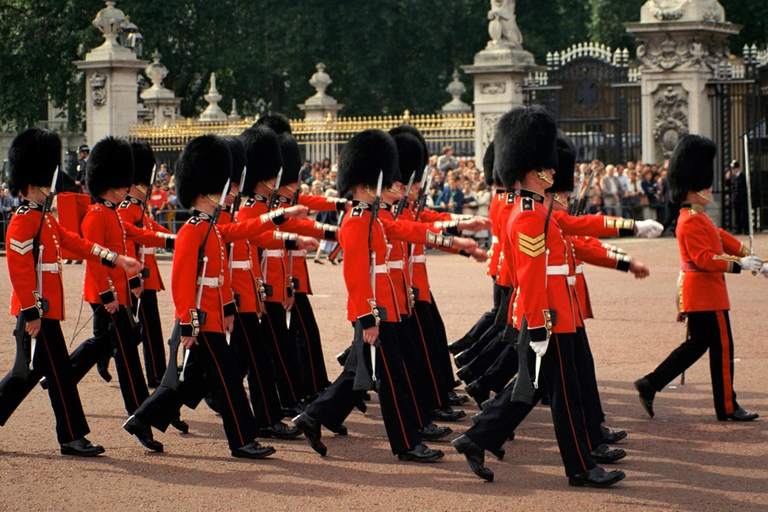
(499, 73)
(110, 80)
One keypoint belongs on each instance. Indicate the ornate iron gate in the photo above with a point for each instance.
(595, 97)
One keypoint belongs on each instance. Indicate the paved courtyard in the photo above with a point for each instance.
(682, 460)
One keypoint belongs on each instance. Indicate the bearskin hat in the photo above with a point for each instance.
(109, 166)
(262, 155)
(406, 171)
(203, 168)
(410, 154)
(32, 159)
(291, 153)
(367, 153)
(237, 152)
(524, 141)
(488, 175)
(277, 121)
(143, 162)
(566, 160)
(692, 166)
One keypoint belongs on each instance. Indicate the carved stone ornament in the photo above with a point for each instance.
(670, 107)
(667, 52)
(489, 128)
(686, 10)
(320, 80)
(98, 84)
(502, 26)
(110, 20)
(493, 88)
(666, 10)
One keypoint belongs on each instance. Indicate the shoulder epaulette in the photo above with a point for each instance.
(527, 203)
(23, 210)
(356, 212)
(125, 204)
(510, 198)
(250, 202)
(194, 221)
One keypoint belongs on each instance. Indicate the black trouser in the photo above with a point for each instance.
(249, 344)
(113, 336)
(585, 365)
(559, 375)
(501, 371)
(282, 350)
(442, 345)
(416, 371)
(425, 338)
(706, 330)
(52, 361)
(487, 356)
(218, 367)
(397, 409)
(310, 349)
(151, 335)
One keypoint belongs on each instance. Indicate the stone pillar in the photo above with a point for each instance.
(213, 112)
(320, 106)
(499, 72)
(110, 79)
(456, 89)
(680, 46)
(162, 104)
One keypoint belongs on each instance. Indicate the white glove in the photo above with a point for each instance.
(540, 347)
(764, 270)
(751, 264)
(649, 228)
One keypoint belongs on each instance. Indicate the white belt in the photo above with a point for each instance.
(495, 240)
(381, 269)
(419, 258)
(147, 250)
(580, 269)
(558, 270)
(273, 253)
(396, 264)
(571, 280)
(49, 267)
(299, 254)
(242, 265)
(212, 282)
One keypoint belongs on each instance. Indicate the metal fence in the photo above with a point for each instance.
(318, 139)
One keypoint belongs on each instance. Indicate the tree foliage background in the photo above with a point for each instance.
(384, 56)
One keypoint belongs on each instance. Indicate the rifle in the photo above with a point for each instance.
(235, 208)
(172, 378)
(144, 273)
(274, 198)
(524, 390)
(574, 199)
(20, 366)
(418, 206)
(582, 205)
(749, 196)
(361, 381)
(401, 204)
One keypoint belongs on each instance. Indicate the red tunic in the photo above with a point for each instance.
(591, 250)
(131, 211)
(22, 230)
(102, 225)
(493, 212)
(216, 299)
(70, 210)
(706, 253)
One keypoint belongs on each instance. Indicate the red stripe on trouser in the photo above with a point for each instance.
(226, 391)
(125, 360)
(726, 363)
(584, 418)
(255, 369)
(568, 405)
(394, 396)
(426, 357)
(149, 343)
(413, 395)
(279, 355)
(58, 385)
(309, 348)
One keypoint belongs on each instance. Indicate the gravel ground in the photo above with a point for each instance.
(682, 460)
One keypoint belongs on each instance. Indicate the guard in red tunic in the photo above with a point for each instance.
(372, 305)
(201, 175)
(34, 265)
(109, 176)
(707, 253)
(541, 264)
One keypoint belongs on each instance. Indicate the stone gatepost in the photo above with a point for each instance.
(110, 80)
(680, 44)
(213, 112)
(499, 70)
(320, 106)
(162, 104)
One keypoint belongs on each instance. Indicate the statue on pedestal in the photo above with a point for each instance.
(503, 25)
